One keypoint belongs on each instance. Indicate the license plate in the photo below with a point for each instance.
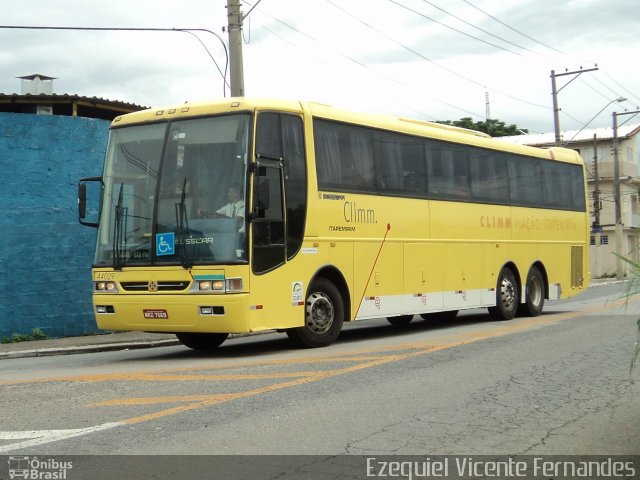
(149, 313)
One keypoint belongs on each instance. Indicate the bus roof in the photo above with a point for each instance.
(382, 121)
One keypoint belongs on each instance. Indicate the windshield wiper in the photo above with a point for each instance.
(119, 233)
(182, 226)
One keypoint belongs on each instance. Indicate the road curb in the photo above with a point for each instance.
(105, 347)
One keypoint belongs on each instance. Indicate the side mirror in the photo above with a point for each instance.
(82, 199)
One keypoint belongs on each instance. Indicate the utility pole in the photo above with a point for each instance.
(554, 94)
(596, 187)
(487, 110)
(616, 193)
(234, 28)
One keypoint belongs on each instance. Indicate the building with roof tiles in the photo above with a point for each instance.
(37, 97)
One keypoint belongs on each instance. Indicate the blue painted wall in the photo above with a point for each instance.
(45, 254)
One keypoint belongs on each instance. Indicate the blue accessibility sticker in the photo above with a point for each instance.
(165, 243)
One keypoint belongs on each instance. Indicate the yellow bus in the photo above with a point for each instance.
(244, 215)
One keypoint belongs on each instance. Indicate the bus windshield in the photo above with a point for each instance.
(174, 194)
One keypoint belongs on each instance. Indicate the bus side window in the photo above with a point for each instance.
(413, 168)
(525, 180)
(460, 184)
(439, 170)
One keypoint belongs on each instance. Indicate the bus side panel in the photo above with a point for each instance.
(341, 257)
(463, 276)
(461, 221)
(384, 292)
(424, 264)
(278, 296)
(478, 243)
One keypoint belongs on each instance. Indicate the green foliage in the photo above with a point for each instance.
(493, 127)
(36, 334)
(633, 288)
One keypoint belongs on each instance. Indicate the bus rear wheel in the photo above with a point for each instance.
(507, 296)
(534, 294)
(202, 341)
(323, 316)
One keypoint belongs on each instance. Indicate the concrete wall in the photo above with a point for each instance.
(45, 254)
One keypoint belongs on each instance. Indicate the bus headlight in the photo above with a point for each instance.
(106, 287)
(229, 285)
(211, 285)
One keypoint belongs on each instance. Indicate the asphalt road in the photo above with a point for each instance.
(555, 384)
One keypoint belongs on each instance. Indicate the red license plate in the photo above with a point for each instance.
(149, 313)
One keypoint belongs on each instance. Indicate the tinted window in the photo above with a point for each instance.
(358, 159)
(281, 136)
(489, 176)
(525, 180)
(448, 170)
(344, 157)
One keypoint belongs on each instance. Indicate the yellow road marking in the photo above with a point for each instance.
(359, 359)
(418, 348)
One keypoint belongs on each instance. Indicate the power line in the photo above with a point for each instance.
(595, 77)
(621, 86)
(454, 29)
(555, 50)
(363, 65)
(418, 54)
(478, 28)
(138, 29)
(513, 29)
(588, 85)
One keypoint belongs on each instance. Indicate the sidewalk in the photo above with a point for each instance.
(86, 344)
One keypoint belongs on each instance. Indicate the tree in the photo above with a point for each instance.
(493, 127)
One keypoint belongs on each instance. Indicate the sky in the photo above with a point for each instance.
(430, 60)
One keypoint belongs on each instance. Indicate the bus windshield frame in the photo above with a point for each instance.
(175, 193)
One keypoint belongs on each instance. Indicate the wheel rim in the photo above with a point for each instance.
(508, 294)
(319, 313)
(535, 291)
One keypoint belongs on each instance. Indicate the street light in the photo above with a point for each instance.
(619, 99)
(616, 193)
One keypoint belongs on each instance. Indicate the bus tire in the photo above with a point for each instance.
(202, 341)
(440, 316)
(507, 296)
(534, 294)
(323, 316)
(400, 320)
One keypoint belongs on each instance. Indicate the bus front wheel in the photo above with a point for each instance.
(202, 341)
(323, 316)
(507, 296)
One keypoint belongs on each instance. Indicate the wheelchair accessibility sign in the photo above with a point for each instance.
(165, 243)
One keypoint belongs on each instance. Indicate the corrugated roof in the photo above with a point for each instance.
(55, 97)
(573, 136)
(65, 105)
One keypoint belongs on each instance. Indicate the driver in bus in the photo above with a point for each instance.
(234, 208)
